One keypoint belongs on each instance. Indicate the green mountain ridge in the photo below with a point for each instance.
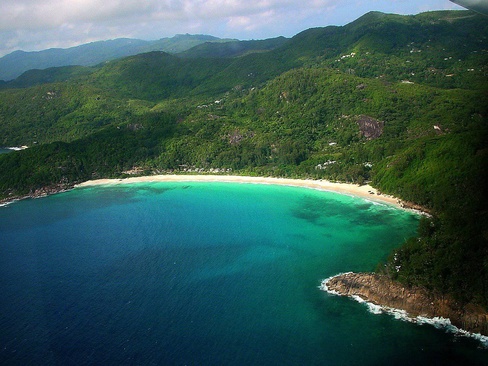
(398, 101)
(91, 54)
(232, 48)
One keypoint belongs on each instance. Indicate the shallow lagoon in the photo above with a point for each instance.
(202, 274)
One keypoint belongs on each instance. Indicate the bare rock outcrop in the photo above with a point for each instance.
(416, 301)
(369, 127)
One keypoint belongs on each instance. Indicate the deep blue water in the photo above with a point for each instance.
(202, 274)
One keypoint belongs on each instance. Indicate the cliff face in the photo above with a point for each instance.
(380, 290)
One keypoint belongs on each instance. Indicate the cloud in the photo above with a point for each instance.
(46, 14)
(49, 14)
(40, 24)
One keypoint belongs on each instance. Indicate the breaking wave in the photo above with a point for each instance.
(399, 314)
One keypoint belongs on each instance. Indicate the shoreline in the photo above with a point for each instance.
(412, 304)
(364, 191)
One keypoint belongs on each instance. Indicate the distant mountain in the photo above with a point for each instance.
(16, 63)
(45, 76)
(217, 52)
(233, 48)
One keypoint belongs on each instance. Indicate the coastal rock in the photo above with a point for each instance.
(413, 206)
(40, 192)
(416, 301)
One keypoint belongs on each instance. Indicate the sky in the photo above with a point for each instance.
(33, 25)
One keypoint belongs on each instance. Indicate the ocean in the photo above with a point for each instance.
(203, 274)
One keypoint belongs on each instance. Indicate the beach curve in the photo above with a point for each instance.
(364, 191)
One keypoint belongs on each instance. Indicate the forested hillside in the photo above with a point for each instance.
(16, 63)
(398, 101)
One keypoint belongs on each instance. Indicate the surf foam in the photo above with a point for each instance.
(399, 314)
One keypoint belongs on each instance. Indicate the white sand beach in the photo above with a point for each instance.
(364, 191)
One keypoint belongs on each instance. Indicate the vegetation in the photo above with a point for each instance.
(16, 63)
(398, 101)
(232, 48)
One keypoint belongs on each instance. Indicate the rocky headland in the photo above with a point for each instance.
(415, 301)
(39, 192)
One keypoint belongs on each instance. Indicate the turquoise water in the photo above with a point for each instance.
(202, 274)
(4, 151)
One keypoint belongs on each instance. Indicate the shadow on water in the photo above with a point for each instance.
(313, 209)
(77, 202)
(317, 211)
